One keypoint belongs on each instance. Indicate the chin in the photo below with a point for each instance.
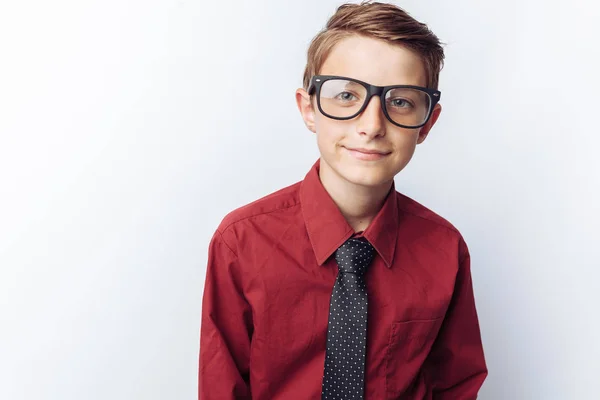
(364, 173)
(359, 175)
(367, 182)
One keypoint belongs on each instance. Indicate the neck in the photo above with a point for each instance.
(358, 204)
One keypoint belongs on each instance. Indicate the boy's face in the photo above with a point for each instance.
(378, 63)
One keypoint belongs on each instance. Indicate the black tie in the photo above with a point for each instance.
(344, 372)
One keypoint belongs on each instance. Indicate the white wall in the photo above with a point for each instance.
(128, 129)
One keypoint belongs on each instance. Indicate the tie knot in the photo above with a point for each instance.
(354, 256)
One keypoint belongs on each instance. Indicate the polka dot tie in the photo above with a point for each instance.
(344, 372)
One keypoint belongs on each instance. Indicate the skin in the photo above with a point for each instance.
(359, 187)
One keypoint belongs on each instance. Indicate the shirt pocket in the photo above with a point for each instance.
(408, 347)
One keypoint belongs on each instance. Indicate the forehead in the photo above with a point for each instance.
(375, 61)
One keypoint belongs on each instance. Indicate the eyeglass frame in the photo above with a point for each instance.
(317, 81)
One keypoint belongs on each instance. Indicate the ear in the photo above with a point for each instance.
(306, 109)
(435, 114)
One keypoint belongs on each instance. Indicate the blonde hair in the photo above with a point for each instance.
(376, 20)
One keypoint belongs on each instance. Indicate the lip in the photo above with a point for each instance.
(367, 151)
(367, 154)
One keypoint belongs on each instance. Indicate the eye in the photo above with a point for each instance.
(400, 103)
(346, 96)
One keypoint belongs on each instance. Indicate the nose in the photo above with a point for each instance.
(371, 121)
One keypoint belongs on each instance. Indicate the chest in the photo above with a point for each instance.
(292, 297)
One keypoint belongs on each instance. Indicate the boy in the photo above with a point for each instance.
(340, 287)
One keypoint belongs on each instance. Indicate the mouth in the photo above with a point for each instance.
(367, 154)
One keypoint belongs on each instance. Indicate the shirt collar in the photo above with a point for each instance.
(328, 229)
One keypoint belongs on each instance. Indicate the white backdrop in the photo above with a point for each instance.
(128, 129)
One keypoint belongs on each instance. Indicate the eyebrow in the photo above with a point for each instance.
(352, 83)
(394, 84)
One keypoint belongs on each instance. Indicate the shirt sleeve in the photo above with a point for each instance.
(456, 365)
(226, 328)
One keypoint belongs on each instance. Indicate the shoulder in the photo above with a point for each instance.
(273, 203)
(429, 220)
(415, 209)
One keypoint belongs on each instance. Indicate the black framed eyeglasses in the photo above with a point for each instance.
(341, 98)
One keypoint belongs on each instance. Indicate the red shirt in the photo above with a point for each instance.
(268, 284)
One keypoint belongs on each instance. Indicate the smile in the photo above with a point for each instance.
(367, 155)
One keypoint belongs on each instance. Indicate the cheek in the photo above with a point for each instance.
(406, 139)
(405, 145)
(329, 133)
